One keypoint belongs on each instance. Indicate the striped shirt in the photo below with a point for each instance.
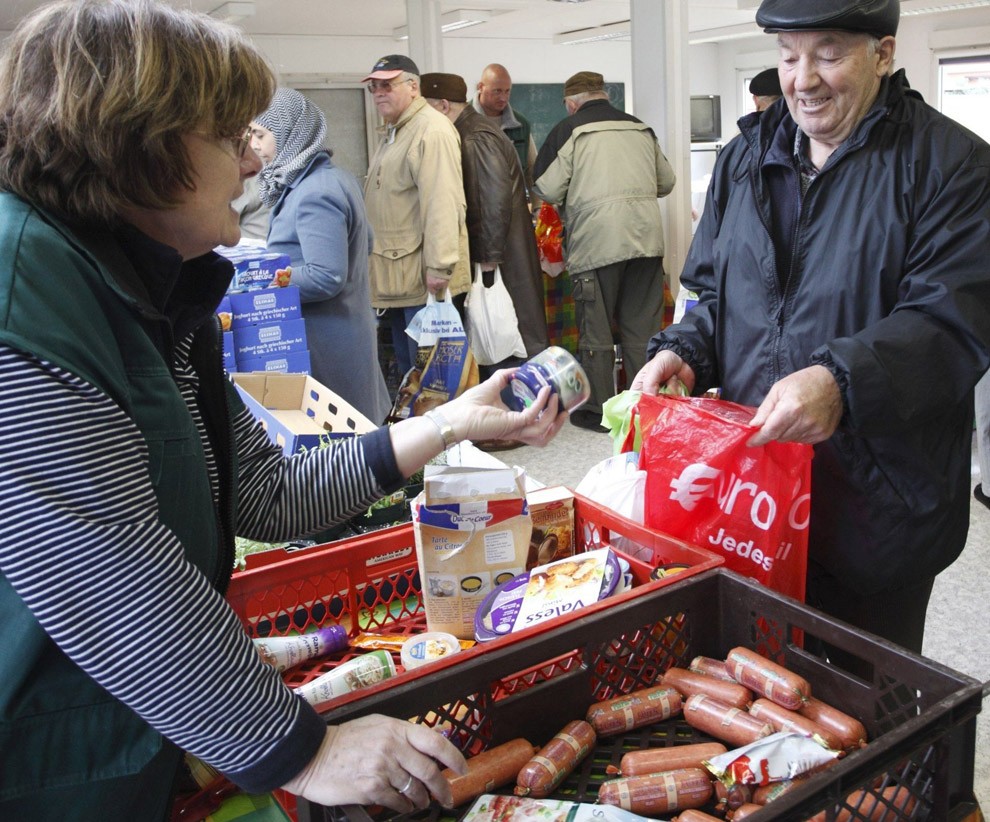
(82, 545)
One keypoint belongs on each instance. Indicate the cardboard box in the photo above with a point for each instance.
(472, 530)
(297, 411)
(264, 305)
(254, 341)
(294, 362)
(552, 512)
(257, 269)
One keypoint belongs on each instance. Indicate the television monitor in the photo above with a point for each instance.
(706, 118)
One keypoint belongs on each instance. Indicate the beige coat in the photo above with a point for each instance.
(414, 195)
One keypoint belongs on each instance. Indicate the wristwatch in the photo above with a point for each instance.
(443, 426)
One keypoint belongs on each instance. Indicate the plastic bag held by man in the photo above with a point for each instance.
(705, 485)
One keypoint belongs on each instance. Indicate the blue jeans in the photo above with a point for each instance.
(404, 346)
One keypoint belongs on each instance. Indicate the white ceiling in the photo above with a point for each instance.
(512, 19)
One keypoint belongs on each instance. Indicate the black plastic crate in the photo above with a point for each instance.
(920, 716)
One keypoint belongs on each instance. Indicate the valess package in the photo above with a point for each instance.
(472, 528)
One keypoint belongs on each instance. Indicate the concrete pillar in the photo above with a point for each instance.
(425, 37)
(661, 98)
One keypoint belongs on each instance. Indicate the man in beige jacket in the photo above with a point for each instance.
(414, 194)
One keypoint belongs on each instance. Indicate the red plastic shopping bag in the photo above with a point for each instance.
(706, 486)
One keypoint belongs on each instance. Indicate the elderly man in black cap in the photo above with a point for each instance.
(765, 88)
(604, 170)
(841, 273)
(414, 194)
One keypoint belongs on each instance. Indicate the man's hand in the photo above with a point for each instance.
(666, 368)
(805, 406)
(436, 285)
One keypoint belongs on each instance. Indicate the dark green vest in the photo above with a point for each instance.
(72, 298)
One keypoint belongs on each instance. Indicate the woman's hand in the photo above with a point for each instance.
(480, 414)
(666, 368)
(376, 760)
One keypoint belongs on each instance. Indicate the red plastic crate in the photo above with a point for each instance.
(370, 583)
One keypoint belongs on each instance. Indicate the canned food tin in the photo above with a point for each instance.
(557, 368)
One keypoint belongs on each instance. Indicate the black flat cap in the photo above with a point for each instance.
(876, 17)
(766, 84)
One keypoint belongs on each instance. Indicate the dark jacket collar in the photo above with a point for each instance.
(162, 285)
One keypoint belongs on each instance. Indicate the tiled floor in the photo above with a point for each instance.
(959, 615)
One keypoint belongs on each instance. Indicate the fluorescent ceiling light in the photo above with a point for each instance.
(234, 11)
(451, 21)
(611, 31)
(973, 4)
(570, 1)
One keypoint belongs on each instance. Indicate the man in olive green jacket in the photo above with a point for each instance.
(414, 195)
(604, 170)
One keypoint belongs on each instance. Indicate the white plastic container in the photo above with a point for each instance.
(424, 648)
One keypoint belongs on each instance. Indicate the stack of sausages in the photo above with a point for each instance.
(736, 701)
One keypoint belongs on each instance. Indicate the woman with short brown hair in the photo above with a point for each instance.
(127, 460)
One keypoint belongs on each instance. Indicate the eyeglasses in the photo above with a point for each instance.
(384, 85)
(241, 144)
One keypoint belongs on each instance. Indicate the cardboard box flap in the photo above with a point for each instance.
(297, 411)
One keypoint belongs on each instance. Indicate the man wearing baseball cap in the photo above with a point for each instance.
(604, 170)
(840, 266)
(414, 194)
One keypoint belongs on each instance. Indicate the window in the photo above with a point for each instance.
(964, 91)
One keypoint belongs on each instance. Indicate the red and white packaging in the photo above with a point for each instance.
(774, 758)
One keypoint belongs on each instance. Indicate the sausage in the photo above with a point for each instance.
(792, 721)
(743, 811)
(489, 770)
(710, 666)
(657, 793)
(768, 678)
(730, 725)
(732, 797)
(850, 730)
(555, 760)
(692, 815)
(654, 760)
(688, 683)
(898, 803)
(643, 707)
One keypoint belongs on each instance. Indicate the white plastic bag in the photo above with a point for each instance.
(620, 485)
(493, 329)
(435, 320)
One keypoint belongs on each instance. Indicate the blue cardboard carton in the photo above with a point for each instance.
(293, 362)
(254, 341)
(264, 305)
(258, 269)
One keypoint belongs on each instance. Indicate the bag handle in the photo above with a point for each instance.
(431, 298)
(479, 274)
